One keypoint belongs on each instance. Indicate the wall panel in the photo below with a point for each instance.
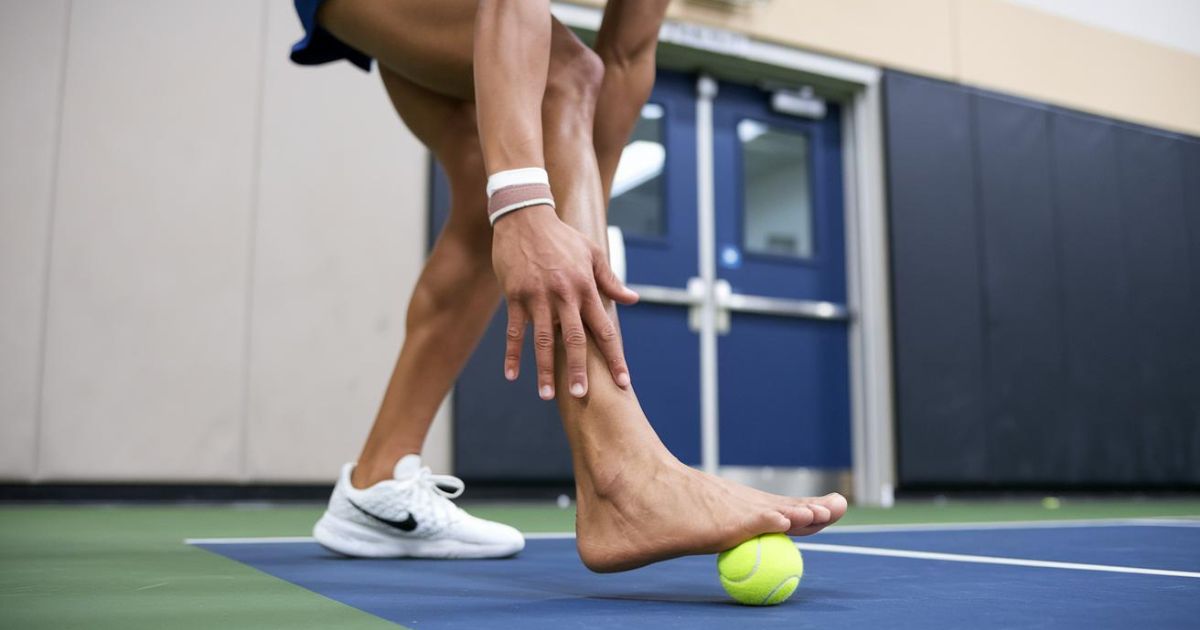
(1100, 391)
(1023, 330)
(32, 44)
(1087, 242)
(148, 282)
(1190, 169)
(1164, 322)
(936, 278)
(340, 239)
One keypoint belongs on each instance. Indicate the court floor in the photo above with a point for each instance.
(979, 565)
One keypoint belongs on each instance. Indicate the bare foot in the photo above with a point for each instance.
(826, 510)
(656, 509)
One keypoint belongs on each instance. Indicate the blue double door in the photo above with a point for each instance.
(738, 348)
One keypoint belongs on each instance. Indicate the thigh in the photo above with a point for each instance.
(447, 127)
(626, 42)
(428, 42)
(442, 123)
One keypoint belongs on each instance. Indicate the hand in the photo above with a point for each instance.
(549, 270)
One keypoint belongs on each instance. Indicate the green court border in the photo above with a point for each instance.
(102, 567)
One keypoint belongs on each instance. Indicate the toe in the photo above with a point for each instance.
(800, 517)
(832, 504)
(821, 514)
(835, 503)
(773, 521)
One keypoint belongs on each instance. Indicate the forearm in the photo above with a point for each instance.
(626, 43)
(511, 57)
(551, 274)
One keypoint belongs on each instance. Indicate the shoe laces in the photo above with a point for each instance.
(431, 494)
(439, 483)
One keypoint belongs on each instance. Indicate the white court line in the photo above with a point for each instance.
(849, 549)
(307, 539)
(837, 529)
(248, 541)
(1016, 562)
(550, 535)
(1044, 524)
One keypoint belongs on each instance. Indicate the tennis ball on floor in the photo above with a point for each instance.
(762, 571)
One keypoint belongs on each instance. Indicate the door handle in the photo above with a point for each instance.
(693, 297)
(727, 301)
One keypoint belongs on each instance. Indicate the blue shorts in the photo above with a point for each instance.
(319, 45)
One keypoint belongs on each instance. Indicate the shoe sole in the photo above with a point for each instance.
(352, 539)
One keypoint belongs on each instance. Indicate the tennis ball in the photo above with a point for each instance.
(762, 571)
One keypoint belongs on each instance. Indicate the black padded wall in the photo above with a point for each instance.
(1046, 293)
(936, 277)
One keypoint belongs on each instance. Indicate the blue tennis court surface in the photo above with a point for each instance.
(1073, 575)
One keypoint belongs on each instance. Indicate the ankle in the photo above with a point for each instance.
(361, 478)
(612, 477)
(370, 471)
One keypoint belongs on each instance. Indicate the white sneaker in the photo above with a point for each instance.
(410, 516)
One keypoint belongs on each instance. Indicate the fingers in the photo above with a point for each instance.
(608, 282)
(565, 292)
(515, 336)
(607, 339)
(543, 349)
(575, 343)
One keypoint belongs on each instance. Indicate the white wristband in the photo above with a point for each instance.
(511, 190)
(516, 176)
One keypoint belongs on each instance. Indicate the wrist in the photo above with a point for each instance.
(517, 189)
(527, 219)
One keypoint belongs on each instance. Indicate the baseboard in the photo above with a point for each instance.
(477, 490)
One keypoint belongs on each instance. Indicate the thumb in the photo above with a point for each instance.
(609, 284)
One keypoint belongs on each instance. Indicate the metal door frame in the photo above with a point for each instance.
(857, 87)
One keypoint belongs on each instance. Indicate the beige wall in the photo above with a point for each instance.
(32, 45)
(206, 250)
(1011, 48)
(994, 44)
(1172, 23)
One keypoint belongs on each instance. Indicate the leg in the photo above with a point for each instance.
(624, 522)
(456, 294)
(428, 42)
(424, 48)
(626, 43)
(637, 504)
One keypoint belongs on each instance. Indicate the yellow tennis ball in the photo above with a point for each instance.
(762, 571)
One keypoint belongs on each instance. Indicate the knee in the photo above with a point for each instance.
(575, 73)
(459, 269)
(458, 149)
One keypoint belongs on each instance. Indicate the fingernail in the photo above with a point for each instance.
(547, 392)
(577, 390)
(623, 379)
(510, 374)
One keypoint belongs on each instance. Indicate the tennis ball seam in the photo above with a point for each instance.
(779, 586)
(754, 569)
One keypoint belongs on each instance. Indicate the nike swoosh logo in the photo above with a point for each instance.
(407, 525)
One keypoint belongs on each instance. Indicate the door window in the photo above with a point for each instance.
(777, 192)
(637, 194)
